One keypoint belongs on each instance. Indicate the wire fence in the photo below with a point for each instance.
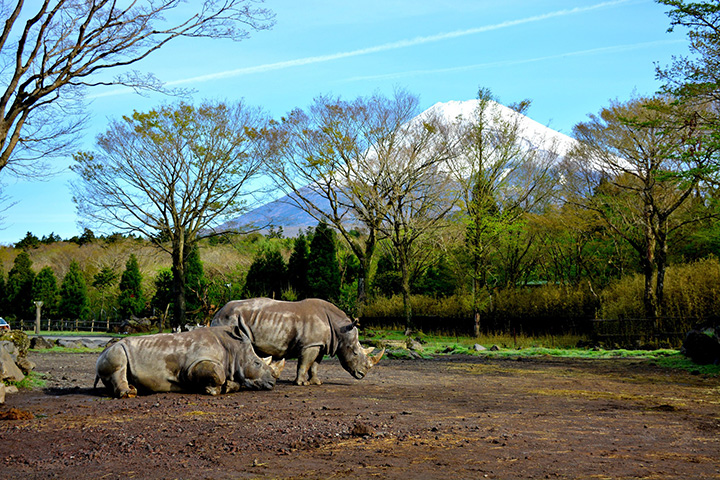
(642, 333)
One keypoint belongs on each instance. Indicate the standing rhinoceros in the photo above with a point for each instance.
(209, 360)
(305, 330)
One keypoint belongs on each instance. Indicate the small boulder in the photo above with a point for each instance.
(93, 342)
(69, 343)
(19, 338)
(414, 345)
(40, 343)
(702, 345)
(25, 365)
(8, 368)
(494, 348)
(479, 348)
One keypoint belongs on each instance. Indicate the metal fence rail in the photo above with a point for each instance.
(61, 325)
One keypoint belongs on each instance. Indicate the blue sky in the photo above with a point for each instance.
(569, 57)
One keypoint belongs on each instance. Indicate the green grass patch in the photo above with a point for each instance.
(31, 380)
(59, 349)
(678, 361)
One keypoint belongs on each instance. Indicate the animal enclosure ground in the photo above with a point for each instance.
(458, 417)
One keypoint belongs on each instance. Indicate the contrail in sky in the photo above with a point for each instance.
(592, 51)
(382, 48)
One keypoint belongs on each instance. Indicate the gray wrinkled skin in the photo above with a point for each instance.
(209, 360)
(305, 330)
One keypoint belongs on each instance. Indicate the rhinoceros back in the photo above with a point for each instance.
(282, 329)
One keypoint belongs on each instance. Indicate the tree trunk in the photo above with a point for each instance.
(407, 308)
(661, 262)
(178, 269)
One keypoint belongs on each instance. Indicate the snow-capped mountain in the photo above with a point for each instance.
(284, 213)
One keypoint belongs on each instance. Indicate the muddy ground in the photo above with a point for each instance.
(456, 417)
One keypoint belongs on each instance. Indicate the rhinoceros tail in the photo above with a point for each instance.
(97, 379)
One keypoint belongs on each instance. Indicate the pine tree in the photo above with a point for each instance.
(45, 289)
(195, 283)
(163, 290)
(298, 267)
(266, 277)
(73, 295)
(131, 300)
(3, 292)
(19, 287)
(323, 266)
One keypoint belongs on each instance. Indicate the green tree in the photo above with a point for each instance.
(20, 287)
(298, 267)
(171, 175)
(131, 300)
(73, 295)
(3, 293)
(499, 178)
(323, 265)
(103, 280)
(196, 285)
(642, 179)
(45, 289)
(28, 241)
(266, 276)
(163, 298)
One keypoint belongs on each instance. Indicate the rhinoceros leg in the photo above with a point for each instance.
(207, 376)
(306, 363)
(112, 370)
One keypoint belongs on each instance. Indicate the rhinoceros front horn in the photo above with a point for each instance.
(277, 367)
(374, 360)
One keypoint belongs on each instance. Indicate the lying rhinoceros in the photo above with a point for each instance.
(305, 330)
(209, 360)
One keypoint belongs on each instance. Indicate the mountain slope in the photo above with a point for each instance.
(284, 213)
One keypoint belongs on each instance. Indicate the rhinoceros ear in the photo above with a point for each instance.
(238, 332)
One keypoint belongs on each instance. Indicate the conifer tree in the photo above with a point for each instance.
(132, 300)
(266, 277)
(298, 267)
(45, 289)
(323, 266)
(73, 295)
(19, 286)
(195, 283)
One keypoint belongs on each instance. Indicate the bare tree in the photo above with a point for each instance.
(52, 51)
(504, 172)
(172, 174)
(418, 190)
(640, 167)
(331, 161)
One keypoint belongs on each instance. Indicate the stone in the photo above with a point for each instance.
(94, 342)
(8, 368)
(19, 338)
(479, 348)
(69, 342)
(40, 343)
(494, 348)
(25, 365)
(414, 345)
(702, 345)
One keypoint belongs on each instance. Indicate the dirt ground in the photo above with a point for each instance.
(457, 417)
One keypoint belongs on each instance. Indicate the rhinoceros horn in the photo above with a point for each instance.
(374, 360)
(267, 360)
(277, 367)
